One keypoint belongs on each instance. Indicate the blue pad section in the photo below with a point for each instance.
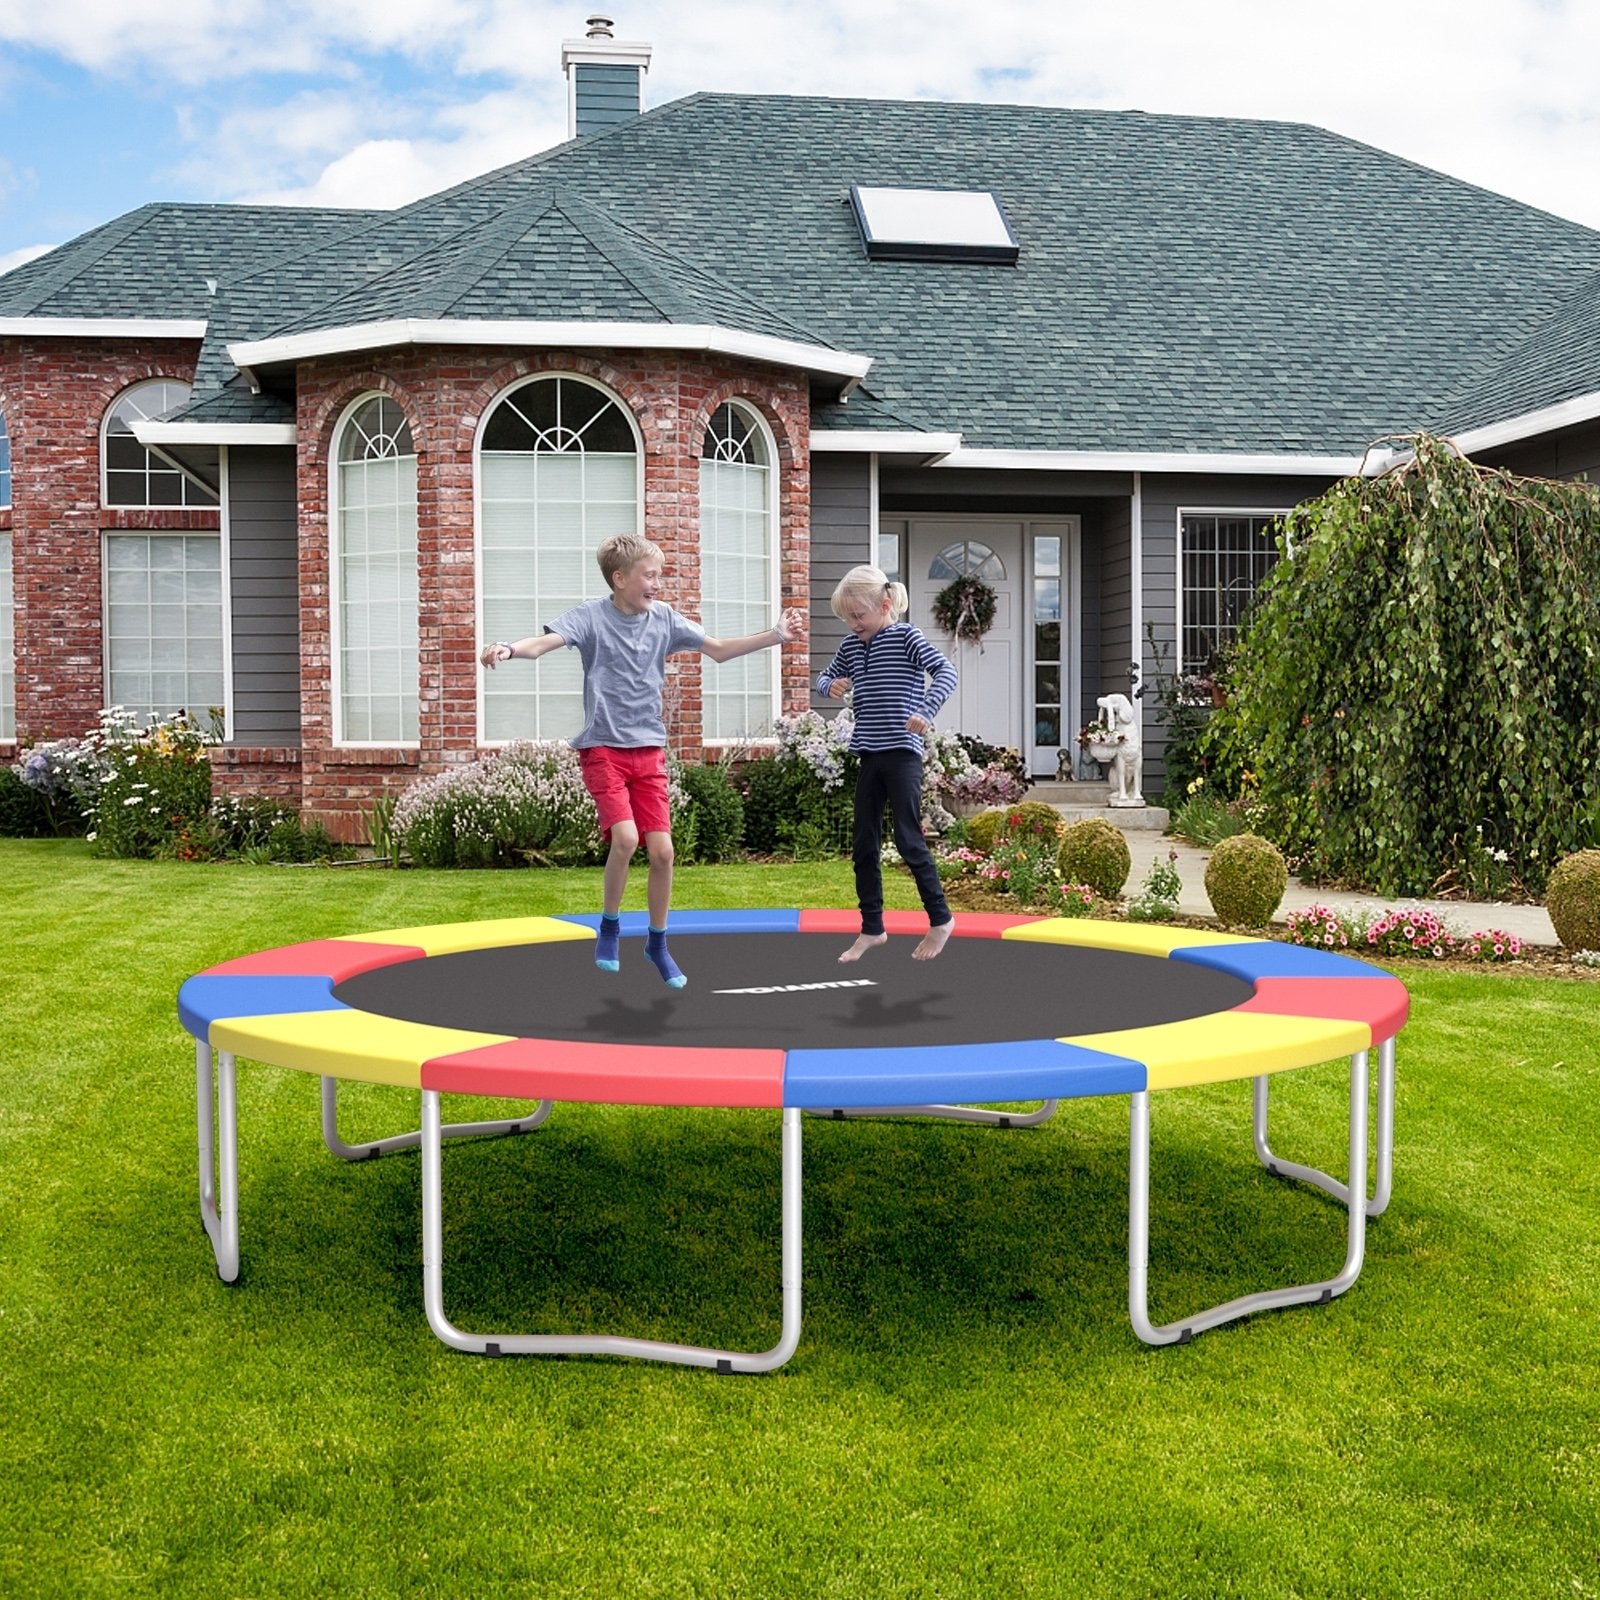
(635, 924)
(1266, 958)
(202, 1001)
(959, 1074)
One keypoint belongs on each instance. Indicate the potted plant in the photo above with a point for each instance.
(1100, 739)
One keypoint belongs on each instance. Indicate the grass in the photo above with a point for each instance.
(968, 1413)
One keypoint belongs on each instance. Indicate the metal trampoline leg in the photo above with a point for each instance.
(992, 1119)
(1185, 1328)
(1383, 1185)
(219, 1155)
(410, 1141)
(551, 1344)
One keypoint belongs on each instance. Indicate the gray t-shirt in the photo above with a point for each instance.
(624, 668)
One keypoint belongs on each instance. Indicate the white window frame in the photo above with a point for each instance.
(8, 665)
(1178, 585)
(535, 624)
(774, 574)
(336, 591)
(224, 574)
(208, 504)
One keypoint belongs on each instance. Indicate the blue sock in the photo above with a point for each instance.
(655, 947)
(605, 946)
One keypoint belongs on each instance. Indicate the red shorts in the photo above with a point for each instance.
(628, 786)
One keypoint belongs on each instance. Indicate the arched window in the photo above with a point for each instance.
(374, 589)
(5, 463)
(558, 473)
(738, 570)
(132, 475)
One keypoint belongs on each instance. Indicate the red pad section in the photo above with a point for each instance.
(1381, 1002)
(611, 1074)
(969, 924)
(317, 958)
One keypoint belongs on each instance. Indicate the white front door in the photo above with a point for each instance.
(987, 703)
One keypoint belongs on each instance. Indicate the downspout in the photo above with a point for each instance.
(872, 510)
(1136, 603)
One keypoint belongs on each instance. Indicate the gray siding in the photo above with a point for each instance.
(604, 96)
(841, 538)
(264, 591)
(1110, 668)
(1566, 453)
(1163, 498)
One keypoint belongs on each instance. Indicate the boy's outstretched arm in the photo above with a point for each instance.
(791, 626)
(523, 650)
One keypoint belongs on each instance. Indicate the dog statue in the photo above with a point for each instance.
(1117, 712)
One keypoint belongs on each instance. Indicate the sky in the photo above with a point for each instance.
(108, 104)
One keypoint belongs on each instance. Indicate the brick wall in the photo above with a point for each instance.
(55, 393)
(445, 394)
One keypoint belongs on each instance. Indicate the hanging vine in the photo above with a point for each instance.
(965, 608)
(1419, 684)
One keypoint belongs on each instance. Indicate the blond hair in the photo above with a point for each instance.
(622, 551)
(868, 586)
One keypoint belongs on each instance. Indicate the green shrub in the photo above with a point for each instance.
(982, 830)
(24, 814)
(1245, 880)
(1206, 819)
(1572, 897)
(789, 811)
(717, 810)
(1095, 853)
(156, 789)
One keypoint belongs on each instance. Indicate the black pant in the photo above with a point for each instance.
(892, 777)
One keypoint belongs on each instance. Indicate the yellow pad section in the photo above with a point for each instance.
(1228, 1044)
(447, 938)
(1136, 938)
(346, 1044)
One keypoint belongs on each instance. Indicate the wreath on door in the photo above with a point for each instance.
(965, 608)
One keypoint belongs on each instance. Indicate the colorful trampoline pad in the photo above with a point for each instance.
(446, 938)
(208, 999)
(1020, 1069)
(1132, 938)
(635, 924)
(337, 959)
(1253, 959)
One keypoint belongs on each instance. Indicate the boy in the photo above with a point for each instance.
(623, 640)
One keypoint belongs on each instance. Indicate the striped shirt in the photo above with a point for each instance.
(889, 677)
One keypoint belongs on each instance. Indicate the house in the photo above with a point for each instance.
(299, 463)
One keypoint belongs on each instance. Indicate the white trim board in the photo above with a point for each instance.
(691, 336)
(170, 433)
(1566, 414)
(103, 327)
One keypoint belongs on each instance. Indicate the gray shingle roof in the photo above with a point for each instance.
(1558, 361)
(1185, 283)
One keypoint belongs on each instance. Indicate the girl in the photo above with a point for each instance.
(889, 664)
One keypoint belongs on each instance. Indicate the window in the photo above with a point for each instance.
(164, 623)
(737, 570)
(133, 476)
(8, 659)
(964, 557)
(933, 225)
(375, 578)
(1224, 557)
(1047, 665)
(558, 473)
(5, 462)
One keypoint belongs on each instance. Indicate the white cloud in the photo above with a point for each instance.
(1495, 91)
(17, 258)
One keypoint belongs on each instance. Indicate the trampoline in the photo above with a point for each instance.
(1016, 1009)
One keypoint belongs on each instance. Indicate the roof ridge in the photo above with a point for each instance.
(665, 296)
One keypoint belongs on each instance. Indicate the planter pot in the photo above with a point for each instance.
(1104, 753)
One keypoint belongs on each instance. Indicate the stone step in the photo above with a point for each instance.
(1075, 801)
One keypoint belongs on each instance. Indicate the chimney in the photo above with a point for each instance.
(605, 79)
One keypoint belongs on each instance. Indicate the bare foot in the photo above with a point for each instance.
(933, 941)
(864, 944)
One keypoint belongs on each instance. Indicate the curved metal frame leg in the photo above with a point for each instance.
(410, 1141)
(1185, 1328)
(992, 1119)
(1383, 1185)
(551, 1344)
(219, 1155)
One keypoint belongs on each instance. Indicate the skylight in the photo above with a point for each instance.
(933, 225)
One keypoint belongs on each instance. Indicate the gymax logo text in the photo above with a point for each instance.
(800, 988)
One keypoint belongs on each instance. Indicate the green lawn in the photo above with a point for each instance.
(969, 1412)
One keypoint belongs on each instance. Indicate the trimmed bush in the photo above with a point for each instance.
(983, 829)
(718, 812)
(1245, 880)
(24, 813)
(1572, 897)
(1095, 853)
